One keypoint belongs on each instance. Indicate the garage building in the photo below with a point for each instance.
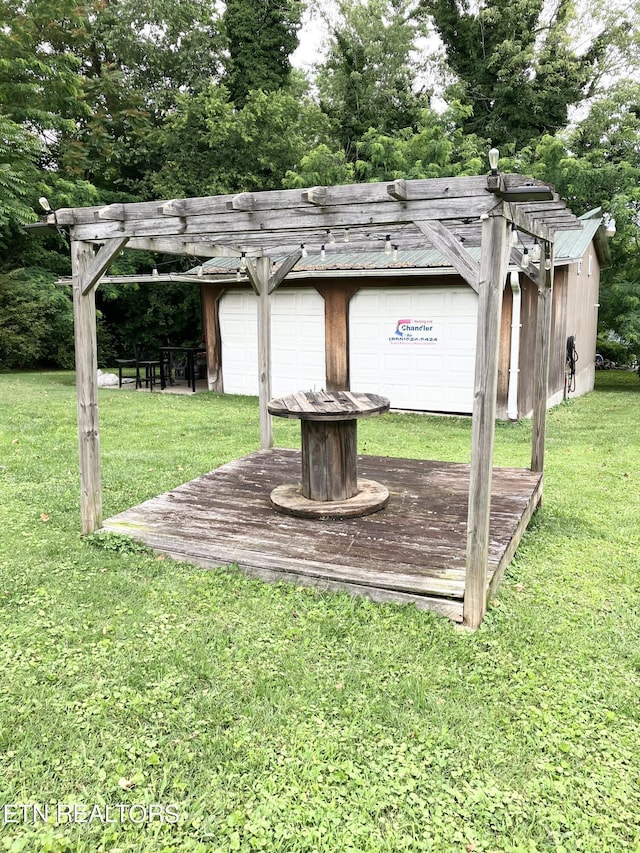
(407, 323)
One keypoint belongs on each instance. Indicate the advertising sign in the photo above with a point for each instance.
(414, 332)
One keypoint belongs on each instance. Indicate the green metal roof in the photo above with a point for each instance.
(572, 245)
(340, 260)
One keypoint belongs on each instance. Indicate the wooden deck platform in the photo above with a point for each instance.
(414, 550)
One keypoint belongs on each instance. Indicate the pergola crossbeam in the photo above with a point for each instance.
(438, 188)
(434, 189)
(195, 248)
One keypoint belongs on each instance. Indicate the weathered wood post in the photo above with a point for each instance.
(259, 277)
(493, 268)
(337, 296)
(84, 312)
(264, 283)
(541, 358)
(87, 268)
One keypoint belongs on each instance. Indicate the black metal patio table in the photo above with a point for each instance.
(166, 356)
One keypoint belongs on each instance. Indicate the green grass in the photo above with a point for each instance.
(280, 719)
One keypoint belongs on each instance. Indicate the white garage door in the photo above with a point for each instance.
(415, 346)
(297, 341)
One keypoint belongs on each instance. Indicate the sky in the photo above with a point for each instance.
(311, 37)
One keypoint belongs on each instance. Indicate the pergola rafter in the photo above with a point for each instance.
(446, 214)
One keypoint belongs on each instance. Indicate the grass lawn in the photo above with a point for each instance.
(225, 714)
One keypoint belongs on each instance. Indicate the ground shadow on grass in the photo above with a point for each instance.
(53, 375)
(618, 380)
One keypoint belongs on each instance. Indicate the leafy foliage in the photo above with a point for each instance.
(36, 321)
(209, 145)
(95, 79)
(437, 148)
(321, 166)
(84, 89)
(18, 156)
(124, 100)
(261, 36)
(518, 72)
(148, 315)
(40, 83)
(139, 57)
(596, 164)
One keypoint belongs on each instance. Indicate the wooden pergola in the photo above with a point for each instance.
(448, 214)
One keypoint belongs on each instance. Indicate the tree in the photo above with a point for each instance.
(261, 36)
(84, 90)
(161, 47)
(321, 166)
(515, 65)
(83, 87)
(92, 81)
(40, 86)
(36, 321)
(606, 145)
(209, 146)
(148, 315)
(139, 57)
(369, 79)
(436, 148)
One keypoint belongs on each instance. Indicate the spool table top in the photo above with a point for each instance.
(328, 405)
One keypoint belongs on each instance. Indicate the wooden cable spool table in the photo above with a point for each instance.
(330, 486)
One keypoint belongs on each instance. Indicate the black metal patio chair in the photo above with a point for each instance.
(147, 369)
(124, 364)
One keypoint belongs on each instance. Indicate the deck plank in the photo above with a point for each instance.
(412, 551)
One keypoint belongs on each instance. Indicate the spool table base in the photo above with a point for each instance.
(370, 497)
